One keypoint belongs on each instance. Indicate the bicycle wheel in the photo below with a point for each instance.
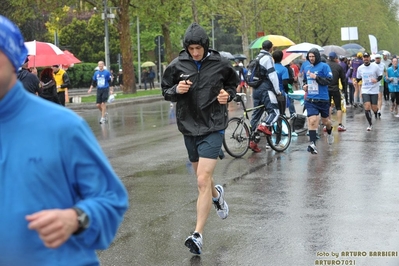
(236, 137)
(280, 139)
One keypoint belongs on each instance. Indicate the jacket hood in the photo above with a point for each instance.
(317, 55)
(195, 34)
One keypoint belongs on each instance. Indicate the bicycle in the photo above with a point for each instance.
(239, 132)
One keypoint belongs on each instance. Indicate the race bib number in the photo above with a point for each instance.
(395, 81)
(313, 86)
(367, 80)
(100, 81)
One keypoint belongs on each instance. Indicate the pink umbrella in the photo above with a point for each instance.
(288, 57)
(45, 54)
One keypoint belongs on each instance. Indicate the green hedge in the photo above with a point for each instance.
(81, 74)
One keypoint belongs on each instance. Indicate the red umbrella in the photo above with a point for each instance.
(72, 59)
(45, 54)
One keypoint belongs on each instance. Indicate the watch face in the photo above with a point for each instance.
(83, 220)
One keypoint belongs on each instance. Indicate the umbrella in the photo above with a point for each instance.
(148, 64)
(45, 54)
(72, 59)
(227, 55)
(334, 48)
(240, 57)
(288, 57)
(353, 48)
(277, 40)
(303, 48)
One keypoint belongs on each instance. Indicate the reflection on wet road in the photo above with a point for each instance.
(289, 208)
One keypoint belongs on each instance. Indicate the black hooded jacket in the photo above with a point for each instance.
(29, 80)
(198, 111)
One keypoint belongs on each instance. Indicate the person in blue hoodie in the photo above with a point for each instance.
(60, 199)
(317, 76)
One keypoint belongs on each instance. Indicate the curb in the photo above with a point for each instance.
(116, 103)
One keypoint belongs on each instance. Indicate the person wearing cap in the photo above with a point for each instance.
(266, 94)
(338, 75)
(30, 81)
(201, 82)
(370, 75)
(60, 198)
(62, 81)
(382, 67)
(317, 77)
(356, 62)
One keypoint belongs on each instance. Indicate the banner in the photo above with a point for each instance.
(373, 44)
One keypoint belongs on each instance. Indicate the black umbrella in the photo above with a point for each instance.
(227, 55)
(240, 56)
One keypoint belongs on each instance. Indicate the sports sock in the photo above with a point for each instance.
(368, 116)
(313, 136)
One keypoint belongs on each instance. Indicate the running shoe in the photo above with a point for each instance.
(330, 138)
(312, 148)
(102, 120)
(194, 243)
(222, 209)
(379, 114)
(369, 128)
(264, 129)
(341, 128)
(253, 146)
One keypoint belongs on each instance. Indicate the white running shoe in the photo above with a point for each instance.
(102, 120)
(330, 138)
(222, 209)
(194, 243)
(369, 128)
(312, 148)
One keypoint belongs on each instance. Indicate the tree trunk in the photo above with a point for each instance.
(195, 11)
(168, 43)
(129, 80)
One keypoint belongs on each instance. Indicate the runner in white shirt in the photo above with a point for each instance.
(370, 75)
(382, 66)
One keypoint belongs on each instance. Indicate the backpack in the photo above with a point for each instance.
(254, 77)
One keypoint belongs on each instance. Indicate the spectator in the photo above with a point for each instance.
(144, 78)
(48, 86)
(151, 77)
(29, 80)
(62, 81)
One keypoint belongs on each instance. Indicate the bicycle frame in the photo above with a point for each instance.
(239, 98)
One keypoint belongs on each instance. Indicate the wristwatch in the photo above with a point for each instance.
(83, 220)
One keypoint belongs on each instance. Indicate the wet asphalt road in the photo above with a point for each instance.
(289, 208)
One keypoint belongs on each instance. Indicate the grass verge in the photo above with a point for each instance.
(120, 95)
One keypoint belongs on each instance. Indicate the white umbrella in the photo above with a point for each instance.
(303, 48)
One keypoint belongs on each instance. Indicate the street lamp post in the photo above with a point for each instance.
(138, 51)
(106, 43)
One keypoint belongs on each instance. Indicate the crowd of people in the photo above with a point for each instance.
(87, 197)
